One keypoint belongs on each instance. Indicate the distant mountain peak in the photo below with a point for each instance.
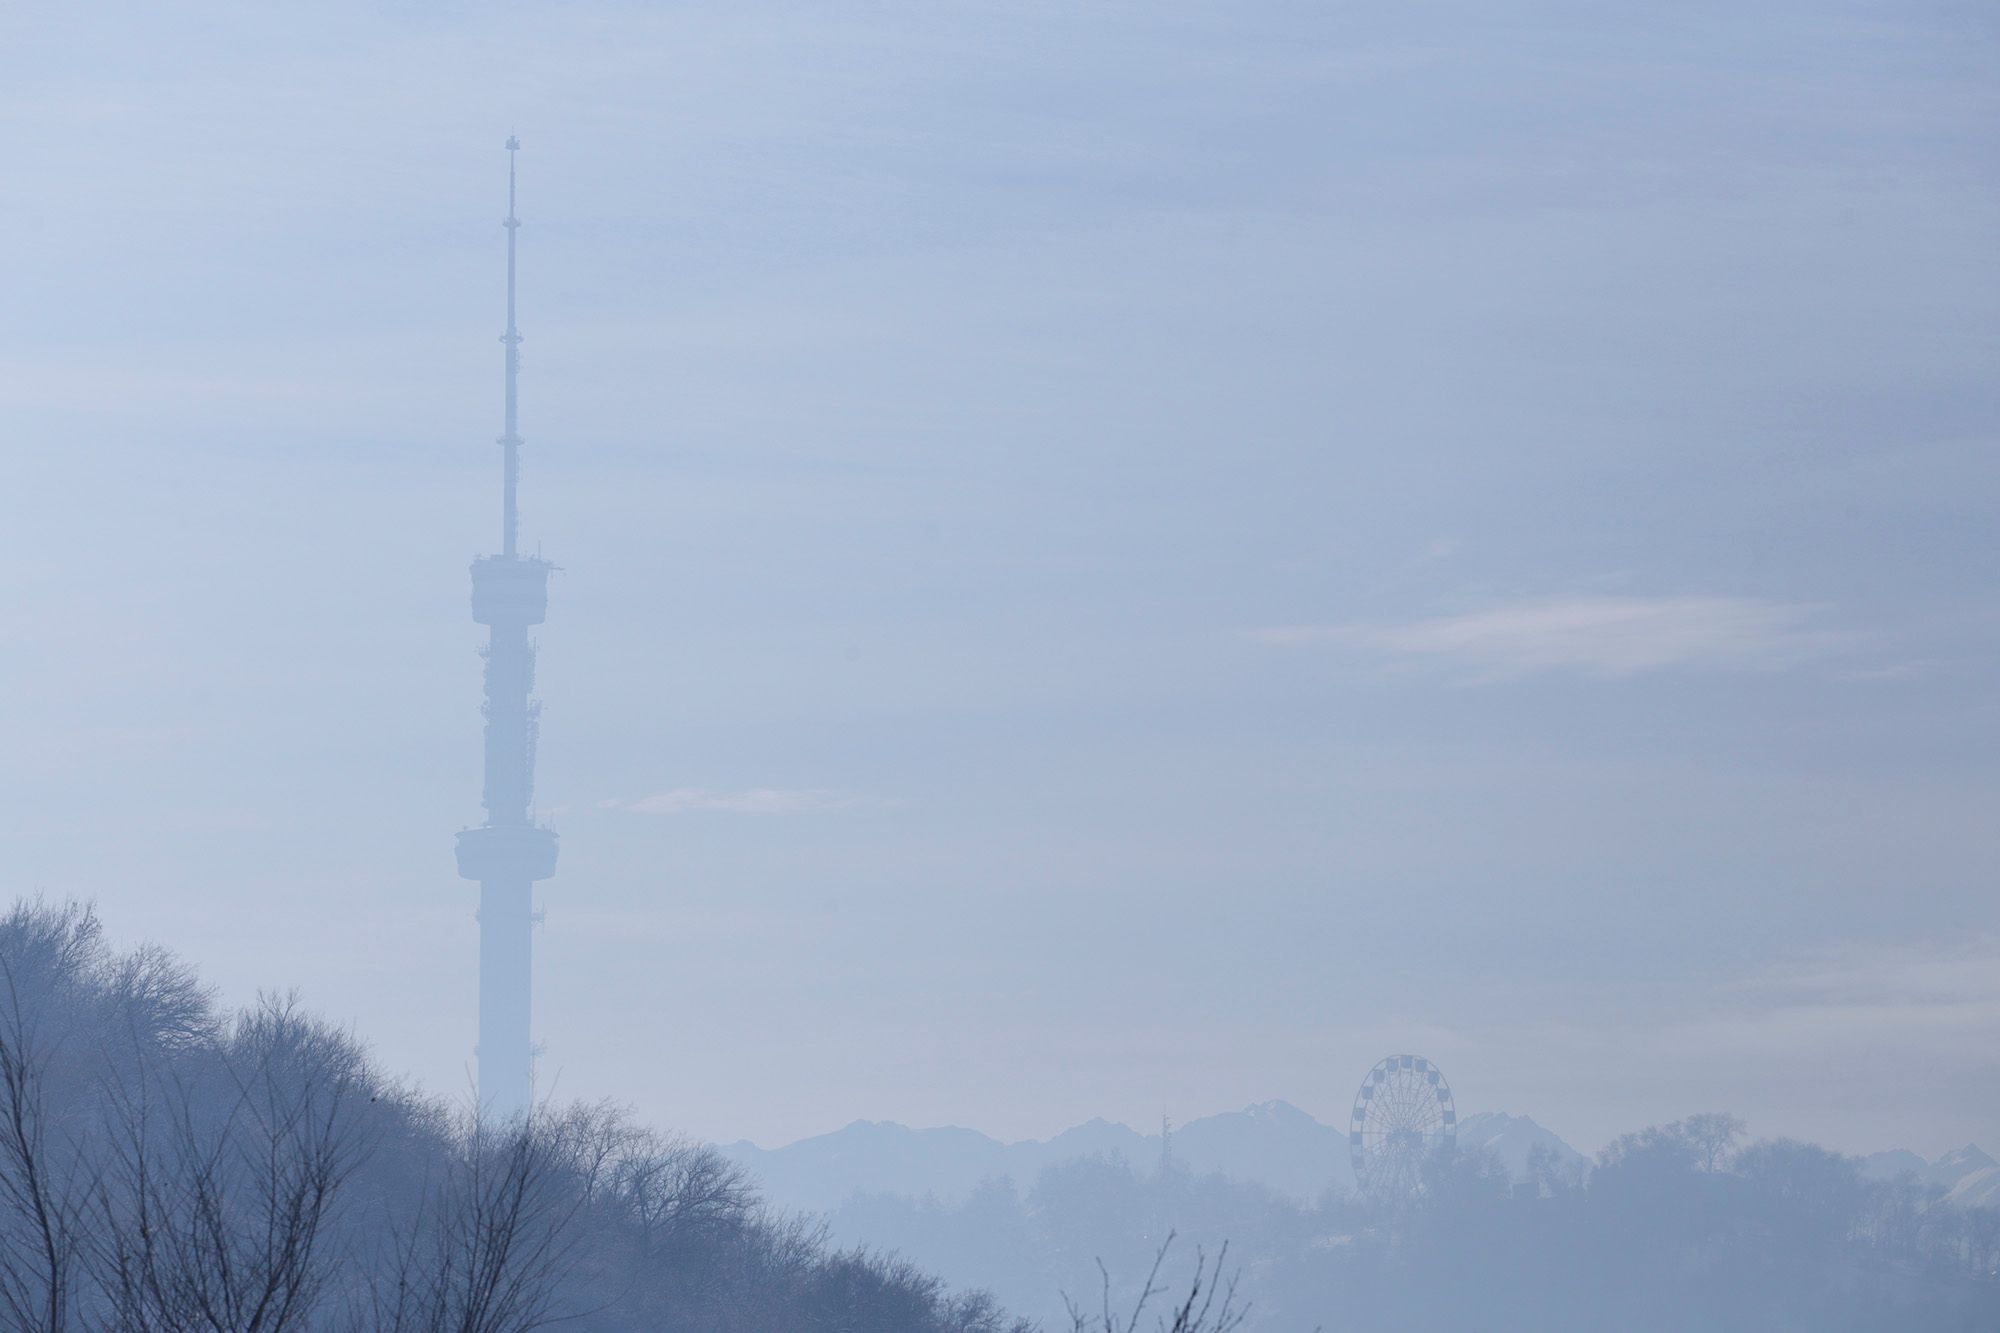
(1896, 1162)
(1512, 1138)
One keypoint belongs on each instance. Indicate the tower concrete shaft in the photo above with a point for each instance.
(510, 851)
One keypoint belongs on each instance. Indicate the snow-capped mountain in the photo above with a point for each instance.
(1511, 1138)
(1968, 1175)
(1958, 1166)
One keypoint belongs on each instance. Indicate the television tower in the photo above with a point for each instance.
(510, 851)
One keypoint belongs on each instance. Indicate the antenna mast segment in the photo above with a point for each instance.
(511, 441)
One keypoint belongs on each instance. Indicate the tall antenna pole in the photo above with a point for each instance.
(510, 517)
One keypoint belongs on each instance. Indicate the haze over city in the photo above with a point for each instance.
(1113, 561)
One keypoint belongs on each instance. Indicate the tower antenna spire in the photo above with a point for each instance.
(510, 442)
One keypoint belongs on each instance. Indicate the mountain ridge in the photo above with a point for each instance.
(1272, 1143)
(1969, 1176)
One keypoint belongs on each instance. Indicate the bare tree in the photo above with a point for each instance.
(672, 1188)
(158, 1001)
(1712, 1135)
(981, 1312)
(492, 1238)
(41, 1183)
(217, 1211)
(1196, 1312)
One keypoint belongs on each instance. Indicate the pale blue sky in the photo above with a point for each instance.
(1119, 558)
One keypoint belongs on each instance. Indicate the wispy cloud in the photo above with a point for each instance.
(1600, 635)
(1958, 972)
(1897, 672)
(749, 801)
(96, 386)
(1919, 1001)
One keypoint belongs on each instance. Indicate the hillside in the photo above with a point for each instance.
(167, 1165)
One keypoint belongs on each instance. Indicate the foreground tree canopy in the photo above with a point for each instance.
(167, 1167)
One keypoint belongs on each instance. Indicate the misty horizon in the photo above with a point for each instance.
(1109, 563)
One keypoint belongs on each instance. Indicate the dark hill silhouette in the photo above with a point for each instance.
(167, 1165)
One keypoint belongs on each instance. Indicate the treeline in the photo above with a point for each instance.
(1677, 1227)
(165, 1166)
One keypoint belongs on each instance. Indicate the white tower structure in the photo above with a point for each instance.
(510, 851)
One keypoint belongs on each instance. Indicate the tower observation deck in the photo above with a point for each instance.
(510, 851)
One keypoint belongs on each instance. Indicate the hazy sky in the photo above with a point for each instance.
(1118, 557)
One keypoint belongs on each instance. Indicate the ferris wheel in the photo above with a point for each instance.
(1403, 1116)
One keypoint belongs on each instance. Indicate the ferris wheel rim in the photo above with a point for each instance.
(1403, 1113)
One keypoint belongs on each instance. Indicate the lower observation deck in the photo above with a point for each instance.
(501, 852)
